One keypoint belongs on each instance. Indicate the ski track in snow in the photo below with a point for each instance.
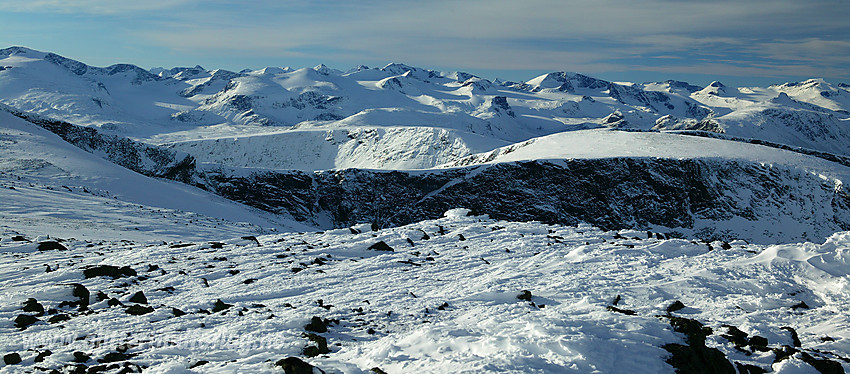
(574, 273)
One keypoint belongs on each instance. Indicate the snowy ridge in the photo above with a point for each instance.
(458, 294)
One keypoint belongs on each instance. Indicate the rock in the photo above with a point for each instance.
(75, 369)
(321, 343)
(695, 357)
(138, 298)
(216, 245)
(698, 359)
(114, 272)
(33, 306)
(294, 365)
(736, 336)
(114, 357)
(81, 357)
(50, 246)
(199, 363)
(19, 238)
(138, 310)
(795, 339)
(693, 329)
(220, 306)
(22, 321)
(62, 317)
(783, 353)
(461, 237)
(822, 365)
(12, 358)
(749, 369)
(320, 348)
(381, 246)
(177, 312)
(524, 295)
(377, 370)
(800, 305)
(114, 302)
(253, 239)
(627, 312)
(316, 325)
(759, 343)
(100, 296)
(82, 293)
(676, 306)
(41, 355)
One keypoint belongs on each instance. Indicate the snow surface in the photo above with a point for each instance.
(476, 266)
(63, 190)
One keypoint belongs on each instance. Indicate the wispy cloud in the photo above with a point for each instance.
(89, 6)
(757, 37)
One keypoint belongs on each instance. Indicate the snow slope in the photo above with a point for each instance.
(48, 183)
(354, 147)
(444, 300)
(602, 143)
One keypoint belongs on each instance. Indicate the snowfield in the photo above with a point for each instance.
(440, 296)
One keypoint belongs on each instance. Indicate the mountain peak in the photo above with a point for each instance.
(19, 50)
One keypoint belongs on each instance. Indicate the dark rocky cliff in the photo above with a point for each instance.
(693, 195)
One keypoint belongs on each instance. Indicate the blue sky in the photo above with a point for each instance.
(738, 42)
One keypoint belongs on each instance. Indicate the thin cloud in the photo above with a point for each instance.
(89, 6)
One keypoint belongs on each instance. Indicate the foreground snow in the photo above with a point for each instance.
(445, 300)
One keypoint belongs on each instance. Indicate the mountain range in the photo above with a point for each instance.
(399, 144)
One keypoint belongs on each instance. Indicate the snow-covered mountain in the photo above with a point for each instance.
(253, 118)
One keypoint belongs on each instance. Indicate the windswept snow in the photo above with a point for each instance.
(445, 300)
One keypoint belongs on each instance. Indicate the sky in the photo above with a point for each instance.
(754, 42)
